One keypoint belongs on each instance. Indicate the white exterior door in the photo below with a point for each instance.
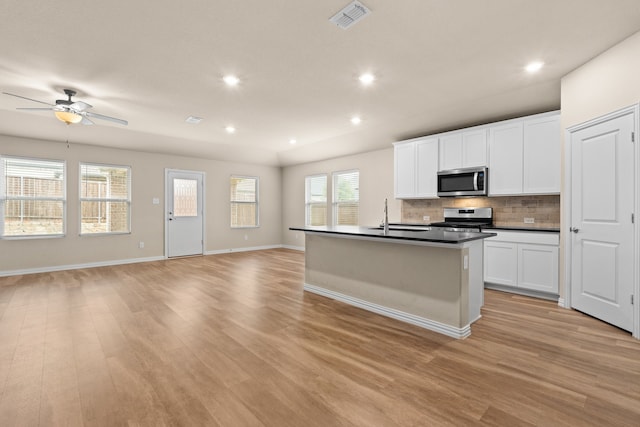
(184, 213)
(602, 204)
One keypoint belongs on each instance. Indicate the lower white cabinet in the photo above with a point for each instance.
(522, 261)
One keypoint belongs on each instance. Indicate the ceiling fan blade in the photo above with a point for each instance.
(36, 109)
(28, 99)
(85, 121)
(101, 117)
(80, 106)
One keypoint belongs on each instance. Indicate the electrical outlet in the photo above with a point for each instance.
(156, 201)
(529, 220)
(246, 237)
(426, 218)
(141, 245)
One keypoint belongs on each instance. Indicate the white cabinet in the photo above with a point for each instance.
(538, 267)
(524, 156)
(525, 262)
(463, 149)
(501, 263)
(505, 159)
(541, 156)
(427, 168)
(416, 168)
(405, 170)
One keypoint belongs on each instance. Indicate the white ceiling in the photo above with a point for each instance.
(439, 64)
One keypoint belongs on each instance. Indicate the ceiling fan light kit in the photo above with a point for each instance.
(68, 117)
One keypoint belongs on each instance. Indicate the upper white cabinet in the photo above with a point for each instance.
(405, 170)
(416, 168)
(463, 149)
(541, 155)
(524, 156)
(427, 168)
(505, 159)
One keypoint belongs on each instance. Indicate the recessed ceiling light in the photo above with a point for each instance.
(534, 66)
(366, 79)
(292, 141)
(230, 129)
(356, 120)
(193, 120)
(231, 80)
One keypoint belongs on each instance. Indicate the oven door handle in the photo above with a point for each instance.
(475, 181)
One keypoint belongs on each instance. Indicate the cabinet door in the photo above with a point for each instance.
(427, 168)
(451, 151)
(505, 159)
(404, 170)
(474, 148)
(500, 263)
(538, 267)
(542, 156)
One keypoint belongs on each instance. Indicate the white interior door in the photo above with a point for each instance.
(602, 204)
(184, 213)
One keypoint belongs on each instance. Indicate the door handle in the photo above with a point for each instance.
(574, 229)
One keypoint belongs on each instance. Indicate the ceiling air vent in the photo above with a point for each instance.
(351, 14)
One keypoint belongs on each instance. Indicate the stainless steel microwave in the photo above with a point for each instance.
(463, 182)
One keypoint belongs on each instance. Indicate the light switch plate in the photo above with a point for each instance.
(529, 220)
(156, 201)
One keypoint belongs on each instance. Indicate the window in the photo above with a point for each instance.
(32, 198)
(105, 199)
(346, 197)
(244, 202)
(315, 200)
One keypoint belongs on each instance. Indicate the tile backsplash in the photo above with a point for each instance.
(507, 211)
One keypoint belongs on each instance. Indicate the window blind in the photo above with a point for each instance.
(346, 197)
(244, 201)
(105, 199)
(316, 200)
(33, 197)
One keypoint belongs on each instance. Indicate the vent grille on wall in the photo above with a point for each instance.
(351, 14)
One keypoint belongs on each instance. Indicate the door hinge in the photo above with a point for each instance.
(631, 299)
(633, 218)
(633, 137)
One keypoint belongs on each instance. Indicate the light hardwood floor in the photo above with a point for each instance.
(232, 340)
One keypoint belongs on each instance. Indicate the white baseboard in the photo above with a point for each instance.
(295, 248)
(78, 266)
(423, 322)
(50, 269)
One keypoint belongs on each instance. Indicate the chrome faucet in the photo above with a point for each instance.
(385, 223)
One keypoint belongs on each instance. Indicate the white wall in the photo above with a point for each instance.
(376, 184)
(609, 82)
(147, 221)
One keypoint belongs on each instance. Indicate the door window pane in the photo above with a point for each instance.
(185, 197)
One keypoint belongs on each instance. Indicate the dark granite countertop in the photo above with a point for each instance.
(490, 227)
(523, 228)
(433, 235)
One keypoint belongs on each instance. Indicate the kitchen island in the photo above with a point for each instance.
(430, 278)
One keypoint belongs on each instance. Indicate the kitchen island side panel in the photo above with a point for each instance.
(424, 281)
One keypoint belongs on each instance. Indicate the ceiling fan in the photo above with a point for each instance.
(70, 112)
